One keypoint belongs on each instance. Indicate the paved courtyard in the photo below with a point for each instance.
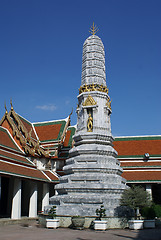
(33, 232)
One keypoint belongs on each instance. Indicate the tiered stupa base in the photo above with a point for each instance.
(93, 178)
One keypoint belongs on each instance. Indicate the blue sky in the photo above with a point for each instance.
(41, 54)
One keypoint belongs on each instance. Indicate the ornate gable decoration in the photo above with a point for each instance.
(89, 101)
(31, 146)
(108, 104)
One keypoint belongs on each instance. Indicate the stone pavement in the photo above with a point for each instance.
(33, 232)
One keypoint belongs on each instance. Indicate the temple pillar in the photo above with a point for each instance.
(16, 200)
(45, 197)
(33, 200)
(0, 188)
(148, 188)
(10, 195)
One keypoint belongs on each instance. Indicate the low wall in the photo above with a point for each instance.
(65, 221)
(23, 221)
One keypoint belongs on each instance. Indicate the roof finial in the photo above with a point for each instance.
(11, 104)
(5, 108)
(93, 29)
(71, 113)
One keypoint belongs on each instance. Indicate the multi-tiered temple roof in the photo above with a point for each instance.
(23, 143)
(140, 157)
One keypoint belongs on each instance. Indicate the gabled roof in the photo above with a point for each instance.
(50, 131)
(29, 127)
(20, 139)
(69, 136)
(9, 150)
(55, 135)
(22, 132)
(7, 141)
(41, 139)
(137, 146)
(131, 153)
(13, 161)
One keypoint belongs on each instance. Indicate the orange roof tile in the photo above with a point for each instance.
(11, 157)
(6, 140)
(142, 175)
(51, 175)
(69, 137)
(137, 146)
(22, 171)
(50, 130)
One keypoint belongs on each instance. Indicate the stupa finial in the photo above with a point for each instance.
(93, 29)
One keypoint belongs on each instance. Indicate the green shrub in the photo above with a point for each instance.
(135, 198)
(52, 212)
(157, 209)
(101, 212)
(148, 212)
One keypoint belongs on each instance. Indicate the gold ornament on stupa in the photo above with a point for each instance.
(93, 29)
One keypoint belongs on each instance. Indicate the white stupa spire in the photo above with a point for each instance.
(93, 62)
(92, 171)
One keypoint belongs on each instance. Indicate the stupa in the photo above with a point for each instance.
(92, 171)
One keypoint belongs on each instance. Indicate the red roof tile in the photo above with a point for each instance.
(51, 175)
(6, 140)
(142, 175)
(69, 137)
(50, 131)
(137, 147)
(22, 171)
(11, 157)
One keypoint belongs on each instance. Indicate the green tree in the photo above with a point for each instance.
(101, 212)
(52, 212)
(135, 197)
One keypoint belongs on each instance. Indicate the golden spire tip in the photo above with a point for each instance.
(93, 29)
(11, 104)
(5, 107)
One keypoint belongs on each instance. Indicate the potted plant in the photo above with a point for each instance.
(149, 214)
(52, 222)
(100, 224)
(135, 197)
(78, 222)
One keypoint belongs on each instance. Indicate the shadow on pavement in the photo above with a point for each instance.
(145, 234)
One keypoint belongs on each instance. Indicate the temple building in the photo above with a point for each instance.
(140, 158)
(77, 167)
(31, 160)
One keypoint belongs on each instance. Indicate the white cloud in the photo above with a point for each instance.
(67, 102)
(48, 107)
